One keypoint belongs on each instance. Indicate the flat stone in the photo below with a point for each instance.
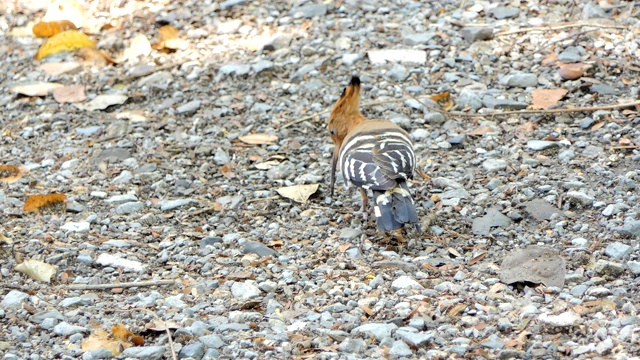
(493, 219)
(79, 227)
(618, 250)
(82, 300)
(13, 300)
(119, 199)
(400, 349)
(212, 341)
(259, 249)
(539, 209)
(603, 89)
(166, 205)
(494, 342)
(494, 165)
(351, 59)
(609, 268)
(405, 282)
(378, 330)
(66, 329)
(188, 108)
(469, 98)
(630, 228)
(507, 104)
(112, 155)
(579, 198)
(39, 317)
(634, 267)
(309, 11)
(473, 34)
(504, 12)
(244, 291)
(415, 339)
(145, 352)
(129, 208)
(592, 151)
(522, 80)
(350, 233)
(419, 38)
(352, 346)
(397, 55)
(566, 319)
(541, 144)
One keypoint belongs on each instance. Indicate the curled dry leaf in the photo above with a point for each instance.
(36, 270)
(65, 41)
(69, 94)
(10, 173)
(45, 29)
(37, 203)
(572, 71)
(444, 100)
(102, 102)
(258, 139)
(545, 98)
(38, 88)
(95, 57)
(481, 130)
(101, 339)
(298, 193)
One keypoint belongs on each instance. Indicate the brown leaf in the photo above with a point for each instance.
(69, 94)
(36, 203)
(545, 98)
(481, 130)
(444, 100)
(49, 28)
(258, 139)
(477, 258)
(423, 174)
(95, 57)
(550, 59)
(38, 88)
(276, 243)
(366, 309)
(454, 252)
(59, 68)
(597, 126)
(456, 309)
(168, 39)
(343, 247)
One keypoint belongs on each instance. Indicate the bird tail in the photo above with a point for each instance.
(394, 208)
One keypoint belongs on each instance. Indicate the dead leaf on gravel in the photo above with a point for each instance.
(298, 193)
(477, 258)
(258, 139)
(597, 126)
(573, 71)
(39, 88)
(267, 164)
(45, 29)
(69, 94)
(534, 264)
(545, 98)
(550, 59)
(343, 247)
(102, 102)
(139, 46)
(10, 173)
(36, 270)
(169, 38)
(37, 203)
(160, 325)
(444, 100)
(65, 41)
(481, 130)
(101, 339)
(94, 57)
(59, 68)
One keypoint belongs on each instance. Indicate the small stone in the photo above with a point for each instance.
(566, 319)
(469, 98)
(212, 341)
(378, 330)
(541, 144)
(129, 208)
(350, 59)
(522, 80)
(145, 352)
(604, 347)
(593, 152)
(350, 233)
(419, 134)
(494, 165)
(79, 227)
(493, 219)
(586, 123)
(13, 300)
(119, 199)
(580, 242)
(66, 329)
(400, 349)
(101, 353)
(618, 250)
(504, 12)
(309, 11)
(352, 345)
(579, 290)
(259, 249)
(571, 54)
(192, 351)
(609, 268)
(603, 89)
(415, 339)
(221, 157)
(405, 282)
(507, 104)
(473, 34)
(83, 300)
(494, 342)
(539, 209)
(47, 314)
(262, 65)
(419, 38)
(244, 291)
(398, 73)
(630, 228)
(125, 177)
(188, 108)
(634, 267)
(111, 155)
(579, 198)
(166, 205)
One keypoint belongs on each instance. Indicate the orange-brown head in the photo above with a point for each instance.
(345, 115)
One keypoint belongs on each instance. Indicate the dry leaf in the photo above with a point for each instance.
(550, 59)
(343, 247)
(101, 340)
(45, 29)
(258, 139)
(298, 193)
(597, 126)
(267, 164)
(95, 57)
(481, 130)
(276, 243)
(456, 309)
(36, 203)
(36, 270)
(65, 41)
(10, 173)
(454, 252)
(59, 68)
(444, 100)
(69, 94)
(160, 325)
(102, 102)
(477, 258)
(572, 71)
(545, 98)
(139, 46)
(169, 39)
(39, 88)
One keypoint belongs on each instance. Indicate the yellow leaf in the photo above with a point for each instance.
(64, 41)
(37, 270)
(258, 139)
(48, 29)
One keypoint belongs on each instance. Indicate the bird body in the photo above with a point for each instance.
(374, 155)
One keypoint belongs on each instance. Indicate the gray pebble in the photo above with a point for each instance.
(13, 300)
(259, 249)
(192, 351)
(618, 250)
(189, 108)
(212, 341)
(129, 208)
(145, 352)
(166, 205)
(494, 165)
(244, 291)
(66, 329)
(522, 80)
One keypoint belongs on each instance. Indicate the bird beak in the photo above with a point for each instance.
(334, 162)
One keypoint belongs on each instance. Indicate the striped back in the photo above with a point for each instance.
(376, 154)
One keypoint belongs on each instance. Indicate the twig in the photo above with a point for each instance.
(558, 27)
(155, 69)
(625, 147)
(122, 285)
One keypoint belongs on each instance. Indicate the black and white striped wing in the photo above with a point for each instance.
(395, 158)
(360, 169)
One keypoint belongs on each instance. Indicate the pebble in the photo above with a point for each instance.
(494, 165)
(400, 349)
(188, 108)
(414, 338)
(166, 205)
(351, 59)
(580, 198)
(156, 352)
(309, 11)
(129, 208)
(380, 331)
(541, 144)
(66, 329)
(13, 300)
(259, 249)
(125, 177)
(119, 199)
(244, 291)
(522, 80)
(618, 250)
(78, 227)
(405, 282)
(350, 233)
(192, 351)
(473, 34)
(212, 341)
(565, 319)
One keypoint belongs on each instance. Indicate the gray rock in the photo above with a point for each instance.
(350, 233)
(434, 118)
(83, 300)
(579, 198)
(400, 349)
(503, 12)
(228, 27)
(66, 329)
(351, 59)
(494, 342)
(398, 73)
(494, 165)
(119, 199)
(259, 249)
(166, 205)
(97, 354)
(493, 218)
(541, 144)
(539, 209)
(89, 130)
(618, 250)
(262, 65)
(630, 228)
(634, 267)
(405, 282)
(419, 38)
(39, 317)
(302, 71)
(522, 80)
(192, 351)
(469, 98)
(419, 134)
(507, 354)
(579, 290)
(586, 122)
(188, 108)
(473, 34)
(591, 9)
(603, 89)
(111, 155)
(592, 151)
(566, 319)
(238, 69)
(309, 11)
(507, 104)
(145, 352)
(212, 341)
(13, 300)
(414, 338)
(609, 268)
(352, 346)
(281, 171)
(229, 3)
(571, 54)
(79, 227)
(261, 108)
(125, 177)
(378, 330)
(604, 347)
(129, 208)
(221, 157)
(244, 291)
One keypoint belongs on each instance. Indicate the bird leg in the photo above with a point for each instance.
(363, 209)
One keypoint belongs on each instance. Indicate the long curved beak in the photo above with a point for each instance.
(334, 163)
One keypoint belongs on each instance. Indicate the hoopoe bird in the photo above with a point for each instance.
(374, 155)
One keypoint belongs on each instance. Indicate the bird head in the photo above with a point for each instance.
(345, 115)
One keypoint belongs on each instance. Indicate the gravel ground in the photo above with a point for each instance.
(161, 187)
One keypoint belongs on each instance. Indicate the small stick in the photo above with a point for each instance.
(558, 27)
(155, 69)
(624, 147)
(122, 285)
